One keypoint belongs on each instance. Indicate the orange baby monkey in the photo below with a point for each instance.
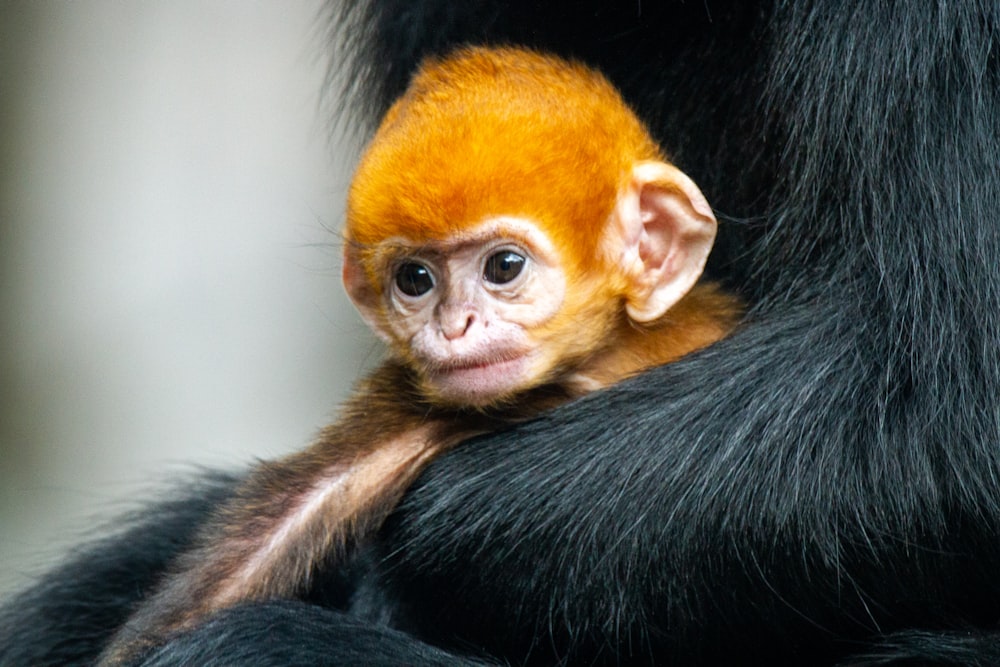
(517, 239)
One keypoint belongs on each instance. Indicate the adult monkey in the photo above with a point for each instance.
(820, 486)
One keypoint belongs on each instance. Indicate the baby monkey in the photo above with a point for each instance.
(517, 239)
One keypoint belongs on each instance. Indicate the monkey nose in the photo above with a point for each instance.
(456, 326)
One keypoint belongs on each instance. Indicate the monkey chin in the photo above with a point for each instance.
(480, 384)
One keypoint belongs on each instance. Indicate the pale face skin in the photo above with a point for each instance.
(466, 307)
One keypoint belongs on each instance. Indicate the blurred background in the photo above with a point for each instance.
(169, 264)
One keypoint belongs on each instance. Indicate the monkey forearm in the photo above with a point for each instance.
(645, 498)
(291, 514)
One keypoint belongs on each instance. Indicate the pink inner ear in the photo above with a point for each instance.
(670, 228)
(657, 235)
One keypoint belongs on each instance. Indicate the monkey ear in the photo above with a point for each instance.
(666, 232)
(362, 293)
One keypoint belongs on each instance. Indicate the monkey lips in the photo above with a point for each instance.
(481, 380)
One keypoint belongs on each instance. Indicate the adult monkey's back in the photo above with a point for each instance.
(823, 479)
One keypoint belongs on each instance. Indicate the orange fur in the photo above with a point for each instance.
(484, 133)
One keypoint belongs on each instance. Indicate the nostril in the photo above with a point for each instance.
(453, 328)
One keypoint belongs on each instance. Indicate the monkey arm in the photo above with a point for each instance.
(291, 515)
(640, 530)
(734, 489)
(68, 617)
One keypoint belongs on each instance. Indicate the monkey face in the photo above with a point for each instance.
(470, 313)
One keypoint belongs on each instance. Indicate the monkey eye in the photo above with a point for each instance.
(503, 267)
(414, 279)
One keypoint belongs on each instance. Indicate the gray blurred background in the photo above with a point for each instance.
(169, 264)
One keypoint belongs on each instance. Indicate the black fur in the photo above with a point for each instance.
(822, 487)
(912, 649)
(66, 618)
(293, 634)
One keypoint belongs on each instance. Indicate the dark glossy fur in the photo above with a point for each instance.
(822, 488)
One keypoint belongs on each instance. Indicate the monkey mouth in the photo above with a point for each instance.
(481, 379)
(474, 364)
